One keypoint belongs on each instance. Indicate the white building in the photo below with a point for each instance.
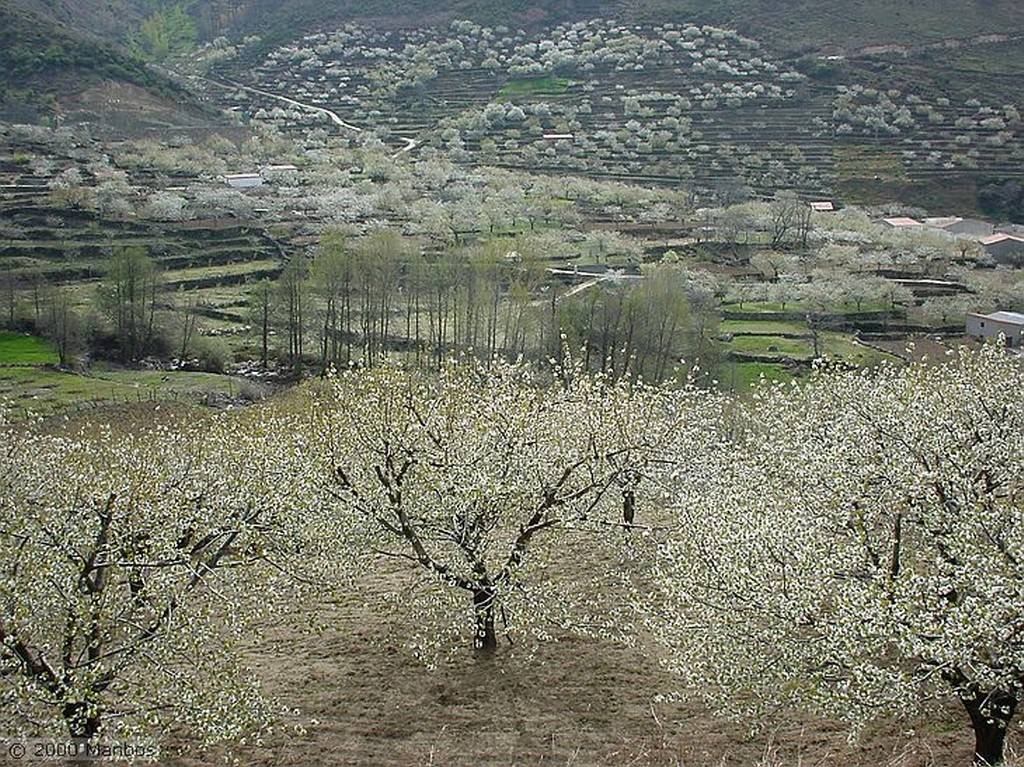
(1007, 324)
(966, 227)
(278, 172)
(902, 222)
(1004, 248)
(244, 180)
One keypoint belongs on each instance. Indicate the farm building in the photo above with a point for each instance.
(1004, 248)
(579, 272)
(1006, 324)
(277, 172)
(244, 180)
(822, 206)
(967, 227)
(901, 222)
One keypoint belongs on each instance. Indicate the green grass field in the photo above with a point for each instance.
(33, 391)
(23, 349)
(738, 377)
(762, 326)
(767, 339)
(772, 346)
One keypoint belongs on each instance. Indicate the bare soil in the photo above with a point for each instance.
(925, 347)
(116, 111)
(363, 699)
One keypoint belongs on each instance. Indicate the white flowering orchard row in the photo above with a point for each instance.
(857, 547)
(132, 565)
(852, 545)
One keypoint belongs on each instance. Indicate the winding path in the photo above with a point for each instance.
(410, 144)
(946, 43)
(577, 289)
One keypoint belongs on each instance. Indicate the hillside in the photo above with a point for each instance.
(67, 68)
(49, 48)
(43, 63)
(673, 103)
(787, 25)
(34, 50)
(865, 101)
(800, 25)
(109, 21)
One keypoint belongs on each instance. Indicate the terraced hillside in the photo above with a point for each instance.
(674, 104)
(49, 238)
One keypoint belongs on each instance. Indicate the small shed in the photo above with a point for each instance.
(990, 326)
(902, 222)
(1004, 248)
(967, 227)
(278, 172)
(822, 206)
(244, 180)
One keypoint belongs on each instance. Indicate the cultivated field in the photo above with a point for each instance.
(360, 698)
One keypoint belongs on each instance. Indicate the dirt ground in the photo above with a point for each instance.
(365, 700)
(361, 697)
(925, 347)
(116, 111)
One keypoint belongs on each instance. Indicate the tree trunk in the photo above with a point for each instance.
(83, 723)
(82, 719)
(485, 640)
(990, 717)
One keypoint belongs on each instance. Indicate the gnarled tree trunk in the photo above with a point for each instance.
(82, 719)
(990, 715)
(485, 639)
